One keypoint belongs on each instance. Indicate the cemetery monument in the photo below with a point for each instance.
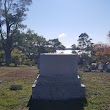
(58, 86)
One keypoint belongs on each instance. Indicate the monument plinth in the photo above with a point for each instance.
(58, 86)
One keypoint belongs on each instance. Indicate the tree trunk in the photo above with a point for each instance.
(0, 63)
(15, 63)
(7, 56)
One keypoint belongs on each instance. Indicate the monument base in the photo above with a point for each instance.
(57, 93)
(70, 104)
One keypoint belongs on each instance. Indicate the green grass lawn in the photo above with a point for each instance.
(16, 100)
(97, 88)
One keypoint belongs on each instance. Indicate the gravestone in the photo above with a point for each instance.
(16, 87)
(107, 67)
(58, 64)
(0, 83)
(57, 86)
(100, 66)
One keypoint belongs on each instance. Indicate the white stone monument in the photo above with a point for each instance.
(58, 81)
(58, 64)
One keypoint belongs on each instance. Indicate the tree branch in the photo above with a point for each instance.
(7, 19)
(9, 5)
(11, 24)
(16, 27)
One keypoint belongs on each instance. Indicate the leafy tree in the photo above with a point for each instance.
(74, 47)
(108, 34)
(102, 52)
(85, 46)
(74, 52)
(16, 56)
(13, 12)
(32, 44)
(84, 42)
(2, 59)
(55, 44)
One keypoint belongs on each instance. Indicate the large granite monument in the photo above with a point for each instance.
(58, 86)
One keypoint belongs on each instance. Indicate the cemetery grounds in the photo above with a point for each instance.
(97, 88)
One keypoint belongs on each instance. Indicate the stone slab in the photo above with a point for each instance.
(58, 88)
(58, 64)
(74, 104)
(16, 87)
(0, 83)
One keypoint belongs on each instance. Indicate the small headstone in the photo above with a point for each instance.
(0, 83)
(87, 69)
(108, 67)
(16, 87)
(100, 66)
(93, 66)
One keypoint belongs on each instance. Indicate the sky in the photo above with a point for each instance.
(67, 19)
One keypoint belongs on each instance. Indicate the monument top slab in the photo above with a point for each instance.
(58, 64)
(58, 54)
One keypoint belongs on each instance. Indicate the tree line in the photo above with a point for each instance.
(20, 47)
(17, 46)
(91, 52)
(27, 47)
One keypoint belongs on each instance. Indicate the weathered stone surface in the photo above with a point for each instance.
(58, 64)
(57, 87)
(58, 78)
(16, 87)
(0, 83)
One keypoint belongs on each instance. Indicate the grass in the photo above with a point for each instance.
(97, 88)
(16, 100)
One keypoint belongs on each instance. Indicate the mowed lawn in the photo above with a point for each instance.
(97, 88)
(16, 100)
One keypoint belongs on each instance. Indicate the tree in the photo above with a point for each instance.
(85, 46)
(108, 34)
(84, 42)
(16, 56)
(32, 44)
(13, 12)
(74, 52)
(2, 59)
(74, 47)
(102, 52)
(55, 44)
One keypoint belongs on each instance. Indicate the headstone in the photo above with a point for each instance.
(100, 66)
(87, 69)
(93, 66)
(58, 85)
(58, 64)
(0, 83)
(108, 67)
(16, 87)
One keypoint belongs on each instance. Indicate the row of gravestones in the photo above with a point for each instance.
(97, 66)
(58, 85)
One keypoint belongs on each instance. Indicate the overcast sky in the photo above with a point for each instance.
(67, 19)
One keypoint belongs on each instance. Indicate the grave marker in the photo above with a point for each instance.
(58, 85)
